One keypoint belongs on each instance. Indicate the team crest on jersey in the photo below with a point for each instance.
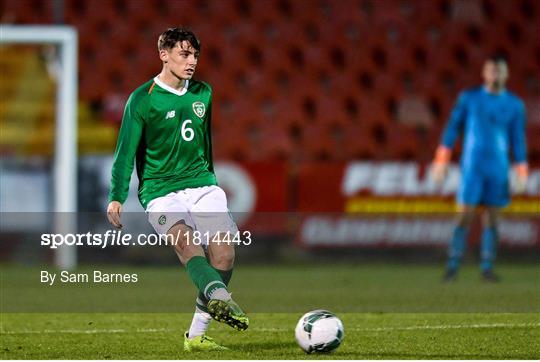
(199, 109)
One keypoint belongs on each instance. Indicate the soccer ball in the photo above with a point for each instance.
(319, 331)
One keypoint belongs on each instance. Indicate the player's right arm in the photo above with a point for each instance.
(453, 129)
(124, 158)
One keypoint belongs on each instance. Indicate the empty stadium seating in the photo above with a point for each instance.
(305, 80)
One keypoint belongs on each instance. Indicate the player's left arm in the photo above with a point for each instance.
(519, 147)
(208, 140)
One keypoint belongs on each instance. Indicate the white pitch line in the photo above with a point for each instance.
(89, 331)
(456, 326)
(426, 327)
(378, 329)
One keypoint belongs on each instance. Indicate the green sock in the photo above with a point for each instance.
(205, 277)
(226, 275)
(202, 301)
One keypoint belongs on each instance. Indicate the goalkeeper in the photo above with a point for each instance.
(492, 121)
(166, 132)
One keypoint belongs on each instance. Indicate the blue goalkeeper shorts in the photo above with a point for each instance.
(480, 189)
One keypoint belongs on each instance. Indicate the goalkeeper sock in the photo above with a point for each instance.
(207, 279)
(488, 248)
(456, 248)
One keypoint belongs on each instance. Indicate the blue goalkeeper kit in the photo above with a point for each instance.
(492, 125)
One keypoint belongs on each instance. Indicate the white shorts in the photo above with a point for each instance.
(204, 209)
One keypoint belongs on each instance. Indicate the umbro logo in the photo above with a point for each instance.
(170, 114)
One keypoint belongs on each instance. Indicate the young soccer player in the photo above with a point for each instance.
(166, 132)
(492, 121)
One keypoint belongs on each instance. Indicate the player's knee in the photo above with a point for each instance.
(490, 219)
(223, 259)
(487, 222)
(465, 219)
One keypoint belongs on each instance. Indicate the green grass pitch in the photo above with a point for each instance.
(388, 311)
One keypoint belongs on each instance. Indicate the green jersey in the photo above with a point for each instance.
(167, 133)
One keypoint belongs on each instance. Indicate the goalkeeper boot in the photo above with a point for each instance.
(449, 276)
(228, 312)
(201, 343)
(490, 277)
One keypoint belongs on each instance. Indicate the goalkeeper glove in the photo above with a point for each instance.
(522, 173)
(439, 168)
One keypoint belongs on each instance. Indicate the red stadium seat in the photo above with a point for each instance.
(275, 143)
(317, 143)
(358, 143)
(230, 142)
(403, 143)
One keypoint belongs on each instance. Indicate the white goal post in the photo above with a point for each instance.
(65, 150)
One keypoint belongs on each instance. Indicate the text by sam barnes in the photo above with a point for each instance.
(97, 276)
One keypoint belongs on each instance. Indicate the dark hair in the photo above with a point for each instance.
(172, 36)
(498, 58)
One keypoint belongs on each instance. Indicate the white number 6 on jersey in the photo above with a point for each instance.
(187, 133)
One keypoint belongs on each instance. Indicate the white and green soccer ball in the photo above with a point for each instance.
(319, 331)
